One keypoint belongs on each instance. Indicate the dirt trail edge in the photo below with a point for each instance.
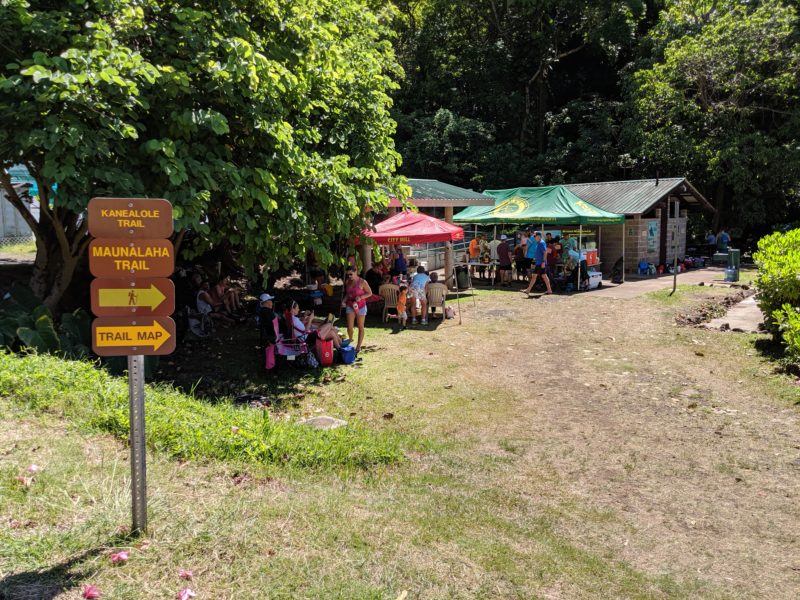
(661, 427)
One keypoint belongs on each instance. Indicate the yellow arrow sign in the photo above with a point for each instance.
(132, 335)
(115, 297)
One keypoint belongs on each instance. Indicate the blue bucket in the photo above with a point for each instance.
(347, 354)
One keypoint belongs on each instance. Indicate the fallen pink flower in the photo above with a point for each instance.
(185, 594)
(33, 468)
(90, 591)
(25, 481)
(185, 574)
(234, 429)
(119, 557)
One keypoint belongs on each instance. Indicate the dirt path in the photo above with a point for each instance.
(661, 426)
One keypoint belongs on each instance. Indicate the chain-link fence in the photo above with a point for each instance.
(19, 240)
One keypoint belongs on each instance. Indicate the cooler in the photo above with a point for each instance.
(347, 354)
(595, 279)
(316, 297)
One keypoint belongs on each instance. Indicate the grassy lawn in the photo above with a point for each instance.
(24, 249)
(561, 447)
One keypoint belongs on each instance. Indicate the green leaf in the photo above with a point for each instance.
(47, 333)
(30, 338)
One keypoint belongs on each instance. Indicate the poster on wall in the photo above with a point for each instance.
(652, 233)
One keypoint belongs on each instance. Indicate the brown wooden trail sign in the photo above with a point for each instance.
(126, 336)
(130, 218)
(131, 258)
(130, 248)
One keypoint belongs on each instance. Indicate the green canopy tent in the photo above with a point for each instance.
(552, 205)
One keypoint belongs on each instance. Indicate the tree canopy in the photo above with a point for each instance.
(265, 122)
(271, 124)
(722, 106)
(500, 94)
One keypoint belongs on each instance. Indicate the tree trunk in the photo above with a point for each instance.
(719, 203)
(52, 271)
(61, 240)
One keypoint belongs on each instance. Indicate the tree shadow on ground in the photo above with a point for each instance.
(774, 351)
(47, 584)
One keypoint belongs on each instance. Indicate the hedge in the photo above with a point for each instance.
(778, 283)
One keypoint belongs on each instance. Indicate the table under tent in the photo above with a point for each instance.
(543, 207)
(409, 227)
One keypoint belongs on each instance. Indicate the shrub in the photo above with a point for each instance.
(26, 323)
(788, 318)
(778, 282)
(183, 427)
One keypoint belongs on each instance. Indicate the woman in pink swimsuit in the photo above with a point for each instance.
(356, 292)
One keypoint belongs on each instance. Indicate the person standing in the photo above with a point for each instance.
(520, 262)
(493, 245)
(402, 315)
(485, 256)
(504, 261)
(400, 265)
(355, 304)
(418, 291)
(711, 243)
(538, 255)
(723, 239)
(474, 253)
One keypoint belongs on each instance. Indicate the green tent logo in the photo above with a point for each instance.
(512, 207)
(588, 208)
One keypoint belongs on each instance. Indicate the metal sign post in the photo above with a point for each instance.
(133, 300)
(137, 441)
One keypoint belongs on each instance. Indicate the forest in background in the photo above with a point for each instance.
(499, 94)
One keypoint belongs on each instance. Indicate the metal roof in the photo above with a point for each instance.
(638, 196)
(431, 193)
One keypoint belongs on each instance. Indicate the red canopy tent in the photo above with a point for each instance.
(414, 228)
(409, 227)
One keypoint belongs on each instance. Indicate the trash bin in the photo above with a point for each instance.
(462, 277)
(734, 258)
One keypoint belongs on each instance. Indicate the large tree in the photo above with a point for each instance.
(265, 122)
(499, 68)
(722, 105)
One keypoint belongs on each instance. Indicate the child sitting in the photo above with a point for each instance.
(402, 316)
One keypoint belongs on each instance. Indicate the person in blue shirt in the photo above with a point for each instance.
(400, 265)
(711, 242)
(723, 239)
(418, 292)
(538, 252)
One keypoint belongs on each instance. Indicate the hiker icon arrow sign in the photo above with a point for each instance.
(129, 297)
(120, 336)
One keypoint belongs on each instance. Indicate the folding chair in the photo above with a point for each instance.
(436, 296)
(389, 292)
(288, 347)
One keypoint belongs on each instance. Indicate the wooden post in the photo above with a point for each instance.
(449, 262)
